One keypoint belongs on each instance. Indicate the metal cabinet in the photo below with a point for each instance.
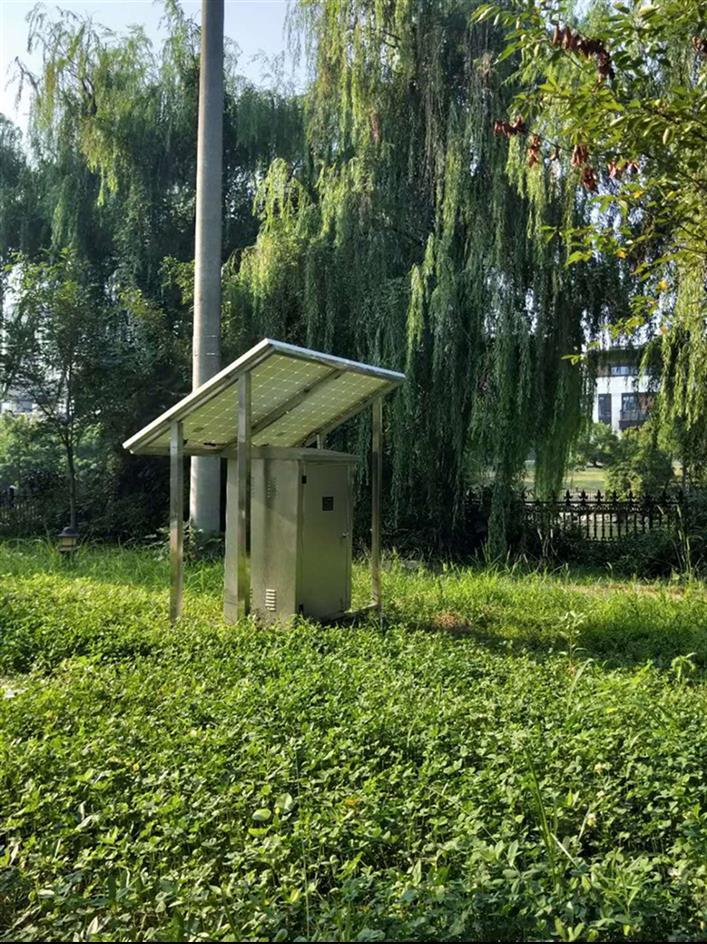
(301, 523)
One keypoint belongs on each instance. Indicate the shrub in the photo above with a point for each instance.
(639, 465)
(596, 446)
(29, 458)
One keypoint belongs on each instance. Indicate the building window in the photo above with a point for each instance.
(623, 370)
(634, 410)
(604, 408)
(629, 403)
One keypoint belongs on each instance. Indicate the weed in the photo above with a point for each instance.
(211, 782)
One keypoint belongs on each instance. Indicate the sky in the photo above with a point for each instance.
(257, 26)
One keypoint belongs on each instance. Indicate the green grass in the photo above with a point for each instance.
(590, 479)
(507, 756)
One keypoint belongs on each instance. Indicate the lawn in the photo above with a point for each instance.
(508, 756)
(591, 479)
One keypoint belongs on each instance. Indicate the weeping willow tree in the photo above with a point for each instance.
(113, 119)
(619, 93)
(113, 137)
(22, 221)
(408, 237)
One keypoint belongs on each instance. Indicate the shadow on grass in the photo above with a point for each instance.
(613, 640)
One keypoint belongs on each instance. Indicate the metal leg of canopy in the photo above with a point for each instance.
(236, 585)
(176, 519)
(376, 491)
(376, 488)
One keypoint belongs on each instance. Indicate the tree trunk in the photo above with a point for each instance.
(4, 379)
(204, 505)
(71, 477)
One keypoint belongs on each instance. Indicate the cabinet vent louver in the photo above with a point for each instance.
(270, 599)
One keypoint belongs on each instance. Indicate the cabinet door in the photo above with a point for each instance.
(325, 552)
(274, 537)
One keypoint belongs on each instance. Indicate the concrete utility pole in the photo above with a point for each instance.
(205, 491)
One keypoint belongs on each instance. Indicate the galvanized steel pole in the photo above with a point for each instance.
(206, 351)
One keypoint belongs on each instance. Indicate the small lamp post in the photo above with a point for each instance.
(68, 543)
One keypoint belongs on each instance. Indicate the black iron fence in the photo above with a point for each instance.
(23, 515)
(605, 517)
(597, 517)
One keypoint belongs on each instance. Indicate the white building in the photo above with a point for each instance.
(623, 394)
(15, 401)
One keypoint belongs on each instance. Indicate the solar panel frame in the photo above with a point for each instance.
(297, 393)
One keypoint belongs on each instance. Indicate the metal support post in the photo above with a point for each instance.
(176, 520)
(376, 486)
(236, 590)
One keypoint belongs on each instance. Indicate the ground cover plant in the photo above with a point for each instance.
(508, 756)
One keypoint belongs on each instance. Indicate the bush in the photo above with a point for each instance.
(679, 547)
(639, 465)
(596, 446)
(30, 460)
(654, 554)
(119, 496)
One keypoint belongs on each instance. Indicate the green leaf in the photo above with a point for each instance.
(284, 803)
(417, 872)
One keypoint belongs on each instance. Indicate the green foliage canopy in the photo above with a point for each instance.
(639, 464)
(410, 238)
(616, 95)
(113, 132)
(376, 216)
(595, 446)
(66, 347)
(28, 456)
(109, 177)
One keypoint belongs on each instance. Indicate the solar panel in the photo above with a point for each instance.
(296, 394)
